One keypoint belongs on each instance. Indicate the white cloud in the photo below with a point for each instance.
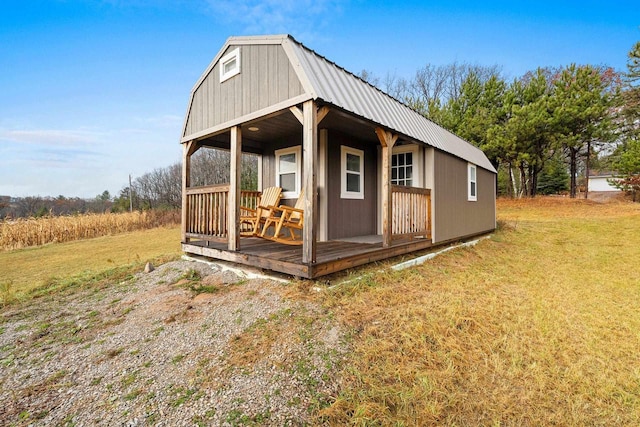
(296, 17)
(84, 161)
(49, 137)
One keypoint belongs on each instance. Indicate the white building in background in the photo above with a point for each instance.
(601, 183)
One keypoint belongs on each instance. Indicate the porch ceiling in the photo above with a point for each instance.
(285, 124)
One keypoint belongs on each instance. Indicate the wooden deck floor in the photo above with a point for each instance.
(331, 256)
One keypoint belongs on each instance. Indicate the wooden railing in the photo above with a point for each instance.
(207, 209)
(411, 212)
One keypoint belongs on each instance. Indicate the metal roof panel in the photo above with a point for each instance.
(335, 85)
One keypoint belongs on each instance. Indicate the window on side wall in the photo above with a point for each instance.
(230, 65)
(351, 173)
(288, 161)
(473, 183)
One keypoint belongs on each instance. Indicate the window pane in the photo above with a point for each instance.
(353, 183)
(408, 183)
(229, 65)
(472, 173)
(353, 163)
(409, 158)
(473, 189)
(394, 160)
(409, 172)
(394, 173)
(288, 163)
(401, 159)
(288, 181)
(401, 173)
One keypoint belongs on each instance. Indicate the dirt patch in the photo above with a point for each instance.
(606, 196)
(186, 344)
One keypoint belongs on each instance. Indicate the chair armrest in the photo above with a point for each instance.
(243, 208)
(290, 209)
(273, 208)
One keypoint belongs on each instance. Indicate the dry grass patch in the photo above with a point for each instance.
(563, 207)
(257, 341)
(57, 265)
(536, 326)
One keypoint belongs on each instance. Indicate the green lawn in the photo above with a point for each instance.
(538, 325)
(24, 270)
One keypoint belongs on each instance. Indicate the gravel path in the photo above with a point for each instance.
(186, 344)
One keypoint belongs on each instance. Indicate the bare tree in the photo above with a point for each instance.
(369, 77)
(211, 167)
(431, 83)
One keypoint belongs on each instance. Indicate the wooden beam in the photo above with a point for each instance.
(387, 140)
(298, 114)
(322, 113)
(323, 201)
(188, 149)
(310, 174)
(233, 223)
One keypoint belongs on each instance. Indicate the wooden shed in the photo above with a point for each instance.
(377, 178)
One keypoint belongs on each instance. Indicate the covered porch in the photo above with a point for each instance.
(207, 223)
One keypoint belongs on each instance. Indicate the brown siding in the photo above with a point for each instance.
(349, 217)
(269, 161)
(454, 215)
(266, 78)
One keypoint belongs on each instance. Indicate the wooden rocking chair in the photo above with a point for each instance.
(270, 197)
(291, 219)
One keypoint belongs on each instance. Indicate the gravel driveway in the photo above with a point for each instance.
(186, 344)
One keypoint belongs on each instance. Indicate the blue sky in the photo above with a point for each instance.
(91, 91)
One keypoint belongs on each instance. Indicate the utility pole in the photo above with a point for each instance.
(130, 195)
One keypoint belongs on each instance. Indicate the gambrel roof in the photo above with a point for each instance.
(324, 81)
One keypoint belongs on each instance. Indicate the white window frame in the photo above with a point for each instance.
(229, 57)
(344, 150)
(297, 150)
(415, 165)
(472, 186)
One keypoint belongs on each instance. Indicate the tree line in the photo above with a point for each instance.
(37, 206)
(162, 187)
(543, 130)
(159, 189)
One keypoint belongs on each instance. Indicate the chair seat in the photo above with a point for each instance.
(285, 218)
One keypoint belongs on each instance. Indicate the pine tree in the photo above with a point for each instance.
(554, 178)
(522, 137)
(582, 113)
(631, 95)
(628, 167)
(627, 157)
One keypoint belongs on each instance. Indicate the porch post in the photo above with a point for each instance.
(310, 172)
(188, 149)
(387, 140)
(233, 225)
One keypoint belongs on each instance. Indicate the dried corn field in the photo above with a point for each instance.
(21, 233)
